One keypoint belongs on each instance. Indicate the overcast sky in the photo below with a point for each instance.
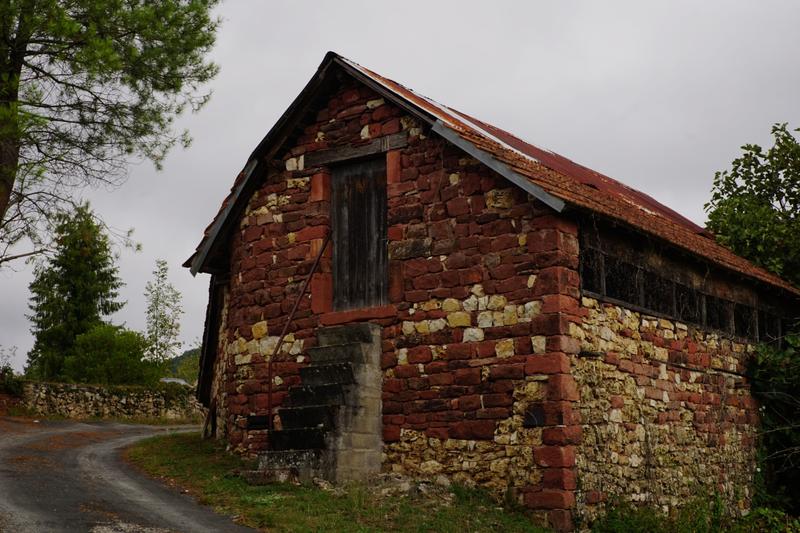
(658, 95)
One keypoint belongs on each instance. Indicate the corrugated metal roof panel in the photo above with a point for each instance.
(564, 179)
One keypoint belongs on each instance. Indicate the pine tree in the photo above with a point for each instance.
(71, 292)
(163, 315)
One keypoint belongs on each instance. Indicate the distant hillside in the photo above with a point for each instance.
(186, 365)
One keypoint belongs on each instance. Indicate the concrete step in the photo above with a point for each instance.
(351, 352)
(309, 416)
(320, 395)
(349, 333)
(329, 374)
(297, 439)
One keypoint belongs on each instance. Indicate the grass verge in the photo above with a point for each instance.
(204, 469)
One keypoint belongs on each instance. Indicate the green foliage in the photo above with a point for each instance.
(163, 315)
(111, 355)
(85, 85)
(206, 470)
(71, 293)
(775, 378)
(9, 382)
(701, 515)
(755, 205)
(187, 365)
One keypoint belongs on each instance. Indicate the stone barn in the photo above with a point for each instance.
(397, 286)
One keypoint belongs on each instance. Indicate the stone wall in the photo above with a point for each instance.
(171, 402)
(472, 336)
(666, 413)
(485, 339)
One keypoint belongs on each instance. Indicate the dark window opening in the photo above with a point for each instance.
(744, 321)
(624, 274)
(592, 270)
(688, 304)
(718, 313)
(622, 280)
(658, 293)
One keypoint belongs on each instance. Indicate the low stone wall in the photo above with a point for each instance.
(168, 402)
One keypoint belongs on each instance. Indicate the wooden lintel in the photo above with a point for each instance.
(345, 153)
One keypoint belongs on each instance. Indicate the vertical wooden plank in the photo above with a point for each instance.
(360, 258)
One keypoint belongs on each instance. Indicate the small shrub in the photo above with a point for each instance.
(10, 383)
(111, 355)
(766, 520)
(775, 377)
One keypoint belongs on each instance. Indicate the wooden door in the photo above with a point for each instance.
(358, 213)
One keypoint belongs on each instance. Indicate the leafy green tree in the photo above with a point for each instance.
(71, 292)
(755, 206)
(111, 355)
(163, 315)
(85, 85)
(187, 365)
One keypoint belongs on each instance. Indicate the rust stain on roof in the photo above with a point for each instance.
(582, 186)
(559, 176)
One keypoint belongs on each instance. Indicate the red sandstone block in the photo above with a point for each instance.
(497, 400)
(473, 430)
(252, 233)
(617, 402)
(322, 293)
(391, 126)
(406, 371)
(559, 478)
(436, 367)
(467, 376)
(561, 435)
(548, 363)
(469, 403)
(559, 303)
(515, 371)
(320, 187)
(562, 387)
(556, 258)
(438, 433)
(457, 206)
(504, 242)
(626, 365)
(595, 496)
(419, 354)
(442, 378)
(391, 433)
(392, 385)
(554, 456)
(563, 343)
(557, 280)
(498, 413)
(470, 276)
(544, 240)
(392, 408)
(461, 350)
(311, 232)
(550, 499)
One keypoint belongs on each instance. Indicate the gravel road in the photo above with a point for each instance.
(68, 476)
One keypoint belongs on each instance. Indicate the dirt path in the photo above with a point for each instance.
(68, 477)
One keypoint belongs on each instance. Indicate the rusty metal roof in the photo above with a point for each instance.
(552, 173)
